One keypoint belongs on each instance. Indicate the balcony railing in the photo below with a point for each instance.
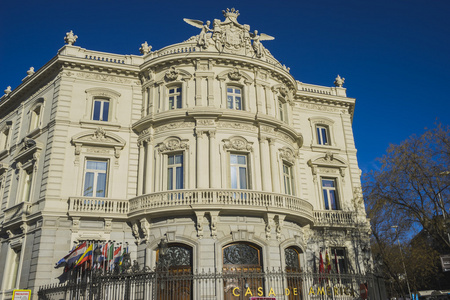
(182, 201)
(98, 207)
(223, 200)
(334, 218)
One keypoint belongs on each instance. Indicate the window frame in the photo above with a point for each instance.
(238, 174)
(5, 133)
(95, 178)
(233, 95)
(174, 167)
(282, 110)
(177, 94)
(326, 200)
(13, 265)
(321, 131)
(102, 101)
(340, 259)
(290, 177)
(35, 117)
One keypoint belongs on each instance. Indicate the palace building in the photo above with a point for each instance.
(208, 148)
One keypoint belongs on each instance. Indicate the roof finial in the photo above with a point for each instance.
(145, 48)
(338, 82)
(70, 38)
(30, 71)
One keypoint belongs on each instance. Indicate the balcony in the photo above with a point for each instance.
(334, 218)
(98, 207)
(226, 201)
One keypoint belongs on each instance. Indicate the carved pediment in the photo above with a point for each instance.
(28, 149)
(173, 144)
(235, 75)
(238, 143)
(288, 154)
(99, 138)
(329, 160)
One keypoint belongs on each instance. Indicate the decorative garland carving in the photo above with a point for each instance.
(173, 144)
(238, 143)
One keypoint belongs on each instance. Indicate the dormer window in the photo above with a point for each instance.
(174, 95)
(100, 111)
(234, 98)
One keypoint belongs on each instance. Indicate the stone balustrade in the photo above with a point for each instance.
(334, 218)
(222, 200)
(185, 201)
(98, 207)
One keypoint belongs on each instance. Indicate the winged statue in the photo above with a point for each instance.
(257, 46)
(202, 37)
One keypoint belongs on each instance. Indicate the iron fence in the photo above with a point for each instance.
(229, 285)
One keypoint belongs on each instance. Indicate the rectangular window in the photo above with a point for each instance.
(330, 193)
(175, 98)
(175, 178)
(100, 111)
(287, 175)
(4, 139)
(12, 270)
(95, 178)
(238, 172)
(339, 258)
(322, 135)
(35, 118)
(26, 185)
(282, 110)
(234, 98)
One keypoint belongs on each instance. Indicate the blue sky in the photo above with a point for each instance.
(394, 54)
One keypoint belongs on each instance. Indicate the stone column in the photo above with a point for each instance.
(265, 164)
(274, 167)
(141, 168)
(148, 187)
(214, 176)
(202, 161)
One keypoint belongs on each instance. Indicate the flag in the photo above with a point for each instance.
(110, 256)
(74, 256)
(121, 257)
(87, 255)
(115, 257)
(336, 262)
(63, 260)
(327, 259)
(321, 267)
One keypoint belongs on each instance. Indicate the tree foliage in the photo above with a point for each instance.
(411, 191)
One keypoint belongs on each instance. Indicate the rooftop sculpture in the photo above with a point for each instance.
(229, 36)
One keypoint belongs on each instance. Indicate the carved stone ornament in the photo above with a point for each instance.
(30, 71)
(283, 91)
(135, 230)
(70, 38)
(172, 144)
(8, 90)
(229, 36)
(145, 48)
(287, 155)
(98, 138)
(235, 75)
(171, 74)
(145, 227)
(238, 143)
(339, 82)
(329, 160)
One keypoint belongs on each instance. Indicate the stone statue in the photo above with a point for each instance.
(257, 46)
(202, 37)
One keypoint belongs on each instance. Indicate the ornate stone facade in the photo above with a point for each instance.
(211, 152)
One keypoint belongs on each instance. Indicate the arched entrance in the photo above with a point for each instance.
(242, 270)
(174, 264)
(293, 270)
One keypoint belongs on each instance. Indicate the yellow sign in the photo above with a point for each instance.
(21, 295)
